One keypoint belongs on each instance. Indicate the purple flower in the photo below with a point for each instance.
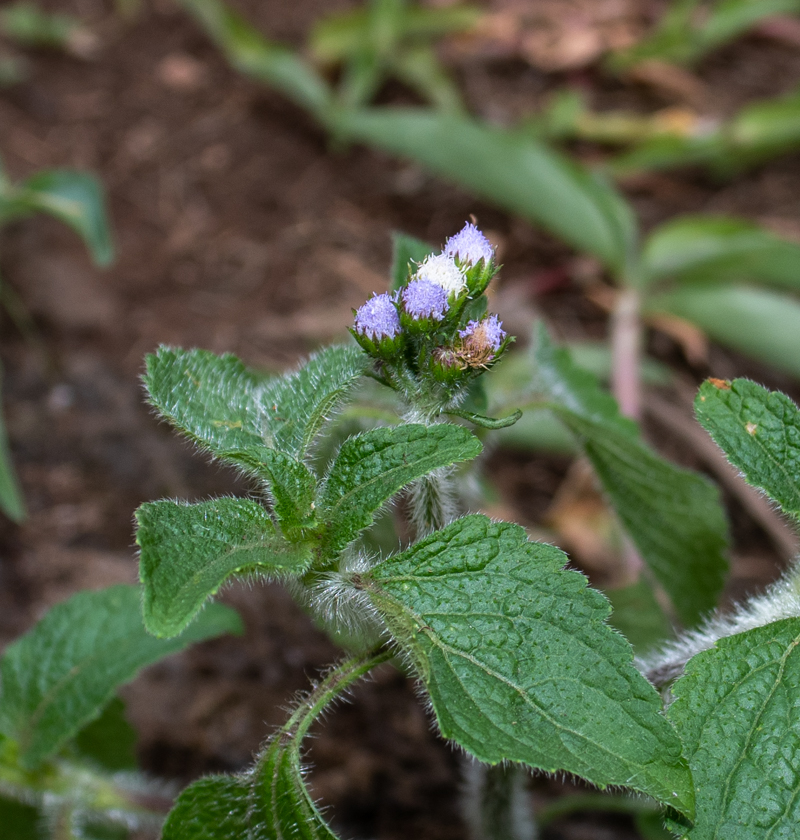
(442, 270)
(487, 332)
(378, 318)
(470, 246)
(423, 300)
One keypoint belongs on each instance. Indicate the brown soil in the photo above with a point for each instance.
(240, 229)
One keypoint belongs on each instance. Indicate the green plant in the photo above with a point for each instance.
(76, 199)
(690, 29)
(511, 648)
(516, 654)
(67, 763)
(677, 136)
(521, 174)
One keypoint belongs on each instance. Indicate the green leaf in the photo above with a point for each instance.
(509, 168)
(11, 501)
(19, 822)
(697, 249)
(575, 389)
(339, 35)
(638, 616)
(673, 515)
(406, 250)
(27, 24)
(519, 662)
(765, 129)
(189, 551)
(759, 432)
(731, 18)
(74, 198)
(109, 740)
(267, 803)
(58, 676)
(758, 322)
(371, 467)
(298, 404)
(215, 400)
(736, 711)
(243, 418)
(252, 54)
(213, 808)
(271, 800)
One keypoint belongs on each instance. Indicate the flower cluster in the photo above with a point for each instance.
(434, 326)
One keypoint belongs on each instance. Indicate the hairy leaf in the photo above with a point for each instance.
(718, 248)
(673, 515)
(759, 432)
(759, 322)
(213, 808)
(371, 467)
(736, 711)
(60, 674)
(298, 404)
(241, 417)
(509, 168)
(519, 661)
(271, 800)
(189, 551)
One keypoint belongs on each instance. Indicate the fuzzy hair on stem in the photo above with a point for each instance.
(781, 600)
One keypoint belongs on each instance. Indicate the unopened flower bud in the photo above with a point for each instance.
(445, 366)
(473, 253)
(442, 270)
(377, 327)
(469, 246)
(423, 305)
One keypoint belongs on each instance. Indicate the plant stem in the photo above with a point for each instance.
(433, 503)
(495, 803)
(626, 340)
(626, 330)
(337, 680)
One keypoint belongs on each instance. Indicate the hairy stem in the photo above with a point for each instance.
(781, 600)
(433, 502)
(495, 803)
(336, 681)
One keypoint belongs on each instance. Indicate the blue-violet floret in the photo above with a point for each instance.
(470, 246)
(378, 318)
(422, 300)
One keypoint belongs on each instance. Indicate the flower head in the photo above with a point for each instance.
(481, 341)
(442, 270)
(470, 246)
(377, 327)
(423, 300)
(378, 318)
(488, 331)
